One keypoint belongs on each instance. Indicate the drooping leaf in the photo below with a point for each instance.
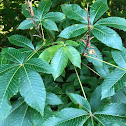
(112, 114)
(48, 54)
(72, 43)
(44, 7)
(73, 55)
(21, 41)
(18, 116)
(107, 36)
(59, 62)
(97, 55)
(73, 31)
(112, 83)
(55, 16)
(81, 101)
(97, 9)
(28, 23)
(74, 11)
(32, 89)
(49, 24)
(39, 65)
(120, 58)
(68, 117)
(13, 55)
(53, 99)
(115, 22)
(9, 83)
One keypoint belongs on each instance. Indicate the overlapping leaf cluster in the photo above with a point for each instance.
(22, 70)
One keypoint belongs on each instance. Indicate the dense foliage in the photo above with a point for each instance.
(71, 72)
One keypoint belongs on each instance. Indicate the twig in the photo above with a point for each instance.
(92, 70)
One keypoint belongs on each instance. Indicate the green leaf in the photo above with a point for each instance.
(49, 24)
(73, 31)
(59, 62)
(103, 71)
(32, 89)
(72, 43)
(97, 9)
(28, 23)
(115, 22)
(120, 58)
(13, 55)
(74, 11)
(107, 36)
(6, 67)
(55, 16)
(36, 117)
(18, 116)
(113, 82)
(44, 7)
(48, 54)
(26, 12)
(9, 83)
(53, 99)
(99, 56)
(68, 117)
(81, 101)
(112, 114)
(95, 100)
(21, 41)
(73, 55)
(39, 65)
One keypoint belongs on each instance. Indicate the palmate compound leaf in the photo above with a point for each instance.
(81, 101)
(48, 54)
(39, 65)
(18, 116)
(113, 114)
(120, 57)
(73, 31)
(73, 55)
(74, 11)
(21, 41)
(67, 117)
(44, 7)
(32, 89)
(9, 83)
(115, 22)
(59, 62)
(113, 82)
(97, 9)
(107, 36)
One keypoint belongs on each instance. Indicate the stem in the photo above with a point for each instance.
(89, 31)
(80, 83)
(92, 121)
(31, 14)
(91, 69)
(106, 62)
(43, 33)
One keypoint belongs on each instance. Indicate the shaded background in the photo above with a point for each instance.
(11, 16)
